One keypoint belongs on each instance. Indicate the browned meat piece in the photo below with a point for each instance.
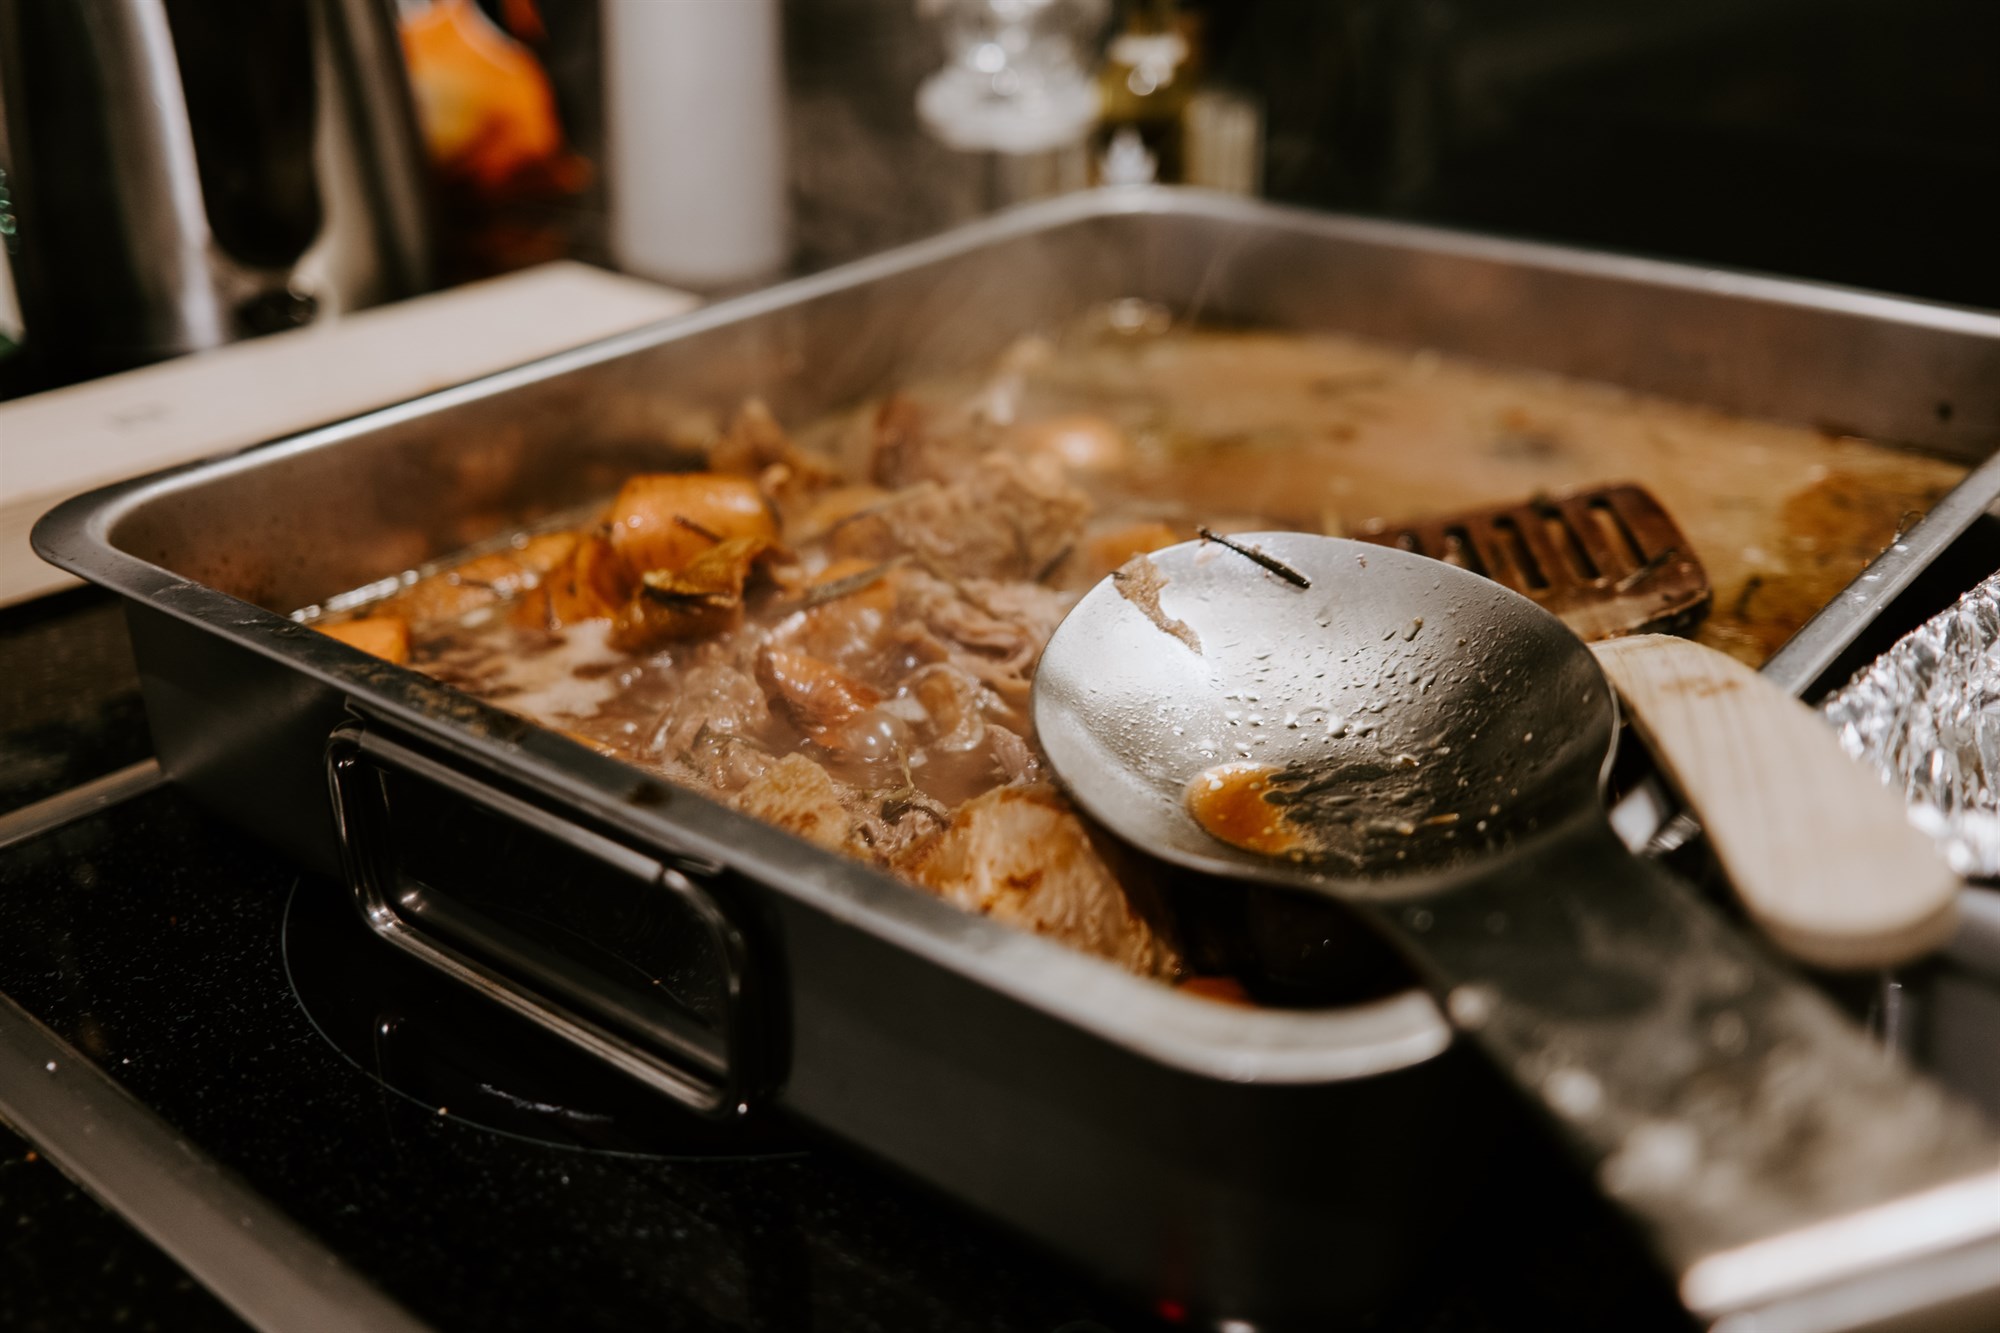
(1140, 582)
(796, 793)
(386, 637)
(1021, 855)
(483, 582)
(820, 700)
(1007, 517)
(967, 733)
(791, 479)
(593, 583)
(908, 447)
(799, 795)
(1013, 758)
(713, 722)
(752, 443)
(665, 519)
(717, 691)
(702, 598)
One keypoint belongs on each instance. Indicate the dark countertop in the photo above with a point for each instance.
(68, 1263)
(70, 711)
(69, 696)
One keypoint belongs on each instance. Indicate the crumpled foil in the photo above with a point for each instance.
(1927, 715)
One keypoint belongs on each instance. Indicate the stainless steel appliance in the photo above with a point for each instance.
(189, 172)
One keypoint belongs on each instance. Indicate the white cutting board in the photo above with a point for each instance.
(56, 444)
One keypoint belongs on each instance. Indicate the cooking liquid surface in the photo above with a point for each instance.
(874, 696)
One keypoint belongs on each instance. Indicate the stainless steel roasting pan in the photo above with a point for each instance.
(1240, 1164)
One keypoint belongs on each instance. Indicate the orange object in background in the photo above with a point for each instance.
(493, 135)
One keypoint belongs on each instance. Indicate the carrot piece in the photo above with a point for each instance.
(387, 637)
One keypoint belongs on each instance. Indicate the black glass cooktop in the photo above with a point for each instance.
(488, 1181)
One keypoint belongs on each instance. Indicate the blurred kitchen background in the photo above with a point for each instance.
(721, 143)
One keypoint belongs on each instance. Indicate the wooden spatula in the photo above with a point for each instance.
(1817, 849)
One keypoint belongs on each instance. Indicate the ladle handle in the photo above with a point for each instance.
(1732, 1111)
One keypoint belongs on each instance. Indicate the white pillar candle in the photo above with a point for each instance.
(695, 106)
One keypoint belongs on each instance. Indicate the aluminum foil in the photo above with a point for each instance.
(1927, 715)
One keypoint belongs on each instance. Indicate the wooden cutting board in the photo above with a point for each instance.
(54, 445)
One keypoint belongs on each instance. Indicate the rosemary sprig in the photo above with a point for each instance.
(1257, 557)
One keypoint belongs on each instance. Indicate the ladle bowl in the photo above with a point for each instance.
(1445, 743)
(1430, 718)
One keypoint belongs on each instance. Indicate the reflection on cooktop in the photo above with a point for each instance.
(458, 1054)
(152, 938)
(156, 940)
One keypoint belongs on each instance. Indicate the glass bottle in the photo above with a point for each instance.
(1150, 71)
(1017, 90)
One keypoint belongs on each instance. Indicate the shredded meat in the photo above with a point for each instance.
(718, 696)
(864, 678)
(799, 795)
(1021, 855)
(992, 631)
(1140, 582)
(848, 661)
(1007, 517)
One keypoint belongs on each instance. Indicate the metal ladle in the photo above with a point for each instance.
(1445, 742)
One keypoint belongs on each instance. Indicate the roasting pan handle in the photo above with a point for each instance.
(610, 948)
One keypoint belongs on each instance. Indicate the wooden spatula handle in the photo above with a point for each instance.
(1817, 849)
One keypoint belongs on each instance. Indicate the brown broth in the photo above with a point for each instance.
(907, 683)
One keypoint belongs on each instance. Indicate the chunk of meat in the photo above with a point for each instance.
(753, 441)
(1014, 760)
(663, 520)
(702, 598)
(908, 447)
(798, 795)
(966, 730)
(1021, 855)
(1007, 517)
(756, 446)
(819, 700)
(387, 637)
(592, 583)
(1140, 582)
(486, 581)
